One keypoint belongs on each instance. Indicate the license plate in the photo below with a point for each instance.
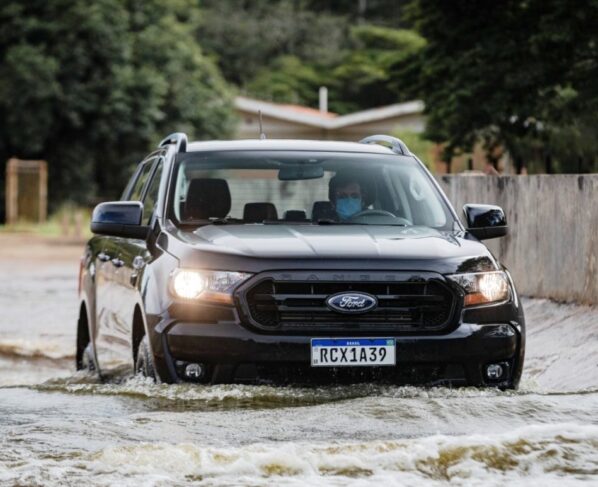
(352, 352)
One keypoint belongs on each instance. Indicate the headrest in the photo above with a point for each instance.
(323, 210)
(366, 183)
(207, 198)
(258, 212)
(294, 215)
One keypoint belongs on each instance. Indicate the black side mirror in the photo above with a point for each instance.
(485, 221)
(119, 219)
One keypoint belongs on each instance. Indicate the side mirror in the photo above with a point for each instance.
(485, 221)
(119, 219)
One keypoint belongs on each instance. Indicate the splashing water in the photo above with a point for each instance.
(64, 428)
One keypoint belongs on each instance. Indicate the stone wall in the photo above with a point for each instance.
(552, 245)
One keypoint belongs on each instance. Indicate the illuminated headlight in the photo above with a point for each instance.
(217, 286)
(483, 287)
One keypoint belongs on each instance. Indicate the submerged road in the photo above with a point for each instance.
(58, 427)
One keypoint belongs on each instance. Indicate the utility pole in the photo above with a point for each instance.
(362, 6)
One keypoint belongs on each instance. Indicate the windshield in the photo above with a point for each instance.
(280, 187)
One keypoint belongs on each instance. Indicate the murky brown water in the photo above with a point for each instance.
(58, 427)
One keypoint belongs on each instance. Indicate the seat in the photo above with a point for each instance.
(323, 210)
(207, 198)
(259, 212)
(295, 216)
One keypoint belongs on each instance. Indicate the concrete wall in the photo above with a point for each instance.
(552, 246)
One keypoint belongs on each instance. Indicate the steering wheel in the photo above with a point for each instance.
(372, 213)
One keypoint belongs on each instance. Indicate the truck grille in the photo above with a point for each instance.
(418, 306)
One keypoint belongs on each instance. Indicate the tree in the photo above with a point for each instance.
(387, 13)
(247, 38)
(284, 50)
(512, 73)
(90, 87)
(287, 80)
(363, 76)
(358, 77)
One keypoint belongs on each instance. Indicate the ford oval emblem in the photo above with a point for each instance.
(349, 302)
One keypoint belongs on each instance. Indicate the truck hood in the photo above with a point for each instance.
(370, 242)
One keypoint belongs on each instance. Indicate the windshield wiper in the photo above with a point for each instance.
(329, 221)
(221, 221)
(214, 221)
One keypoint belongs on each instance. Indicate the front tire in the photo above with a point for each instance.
(144, 364)
(87, 361)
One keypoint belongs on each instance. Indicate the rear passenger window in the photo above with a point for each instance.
(137, 190)
(151, 196)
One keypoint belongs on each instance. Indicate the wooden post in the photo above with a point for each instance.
(11, 191)
(16, 169)
(43, 191)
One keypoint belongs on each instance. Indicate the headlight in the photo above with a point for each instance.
(217, 286)
(483, 287)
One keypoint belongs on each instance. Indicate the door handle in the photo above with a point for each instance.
(116, 262)
(104, 257)
(138, 262)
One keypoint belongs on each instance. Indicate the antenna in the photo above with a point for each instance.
(262, 134)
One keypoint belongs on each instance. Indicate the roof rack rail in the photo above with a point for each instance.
(178, 138)
(397, 145)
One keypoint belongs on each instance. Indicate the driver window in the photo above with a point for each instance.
(151, 195)
(144, 174)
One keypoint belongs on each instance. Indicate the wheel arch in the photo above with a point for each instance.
(138, 331)
(83, 333)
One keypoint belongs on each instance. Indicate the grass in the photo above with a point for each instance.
(62, 223)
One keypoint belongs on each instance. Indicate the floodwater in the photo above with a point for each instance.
(58, 427)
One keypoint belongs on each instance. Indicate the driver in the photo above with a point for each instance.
(346, 195)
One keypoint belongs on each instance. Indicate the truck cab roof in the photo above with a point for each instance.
(288, 145)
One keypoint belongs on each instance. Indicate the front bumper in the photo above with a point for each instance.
(230, 352)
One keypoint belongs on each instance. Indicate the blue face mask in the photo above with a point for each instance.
(347, 207)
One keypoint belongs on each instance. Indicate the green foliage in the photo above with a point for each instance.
(387, 13)
(66, 221)
(419, 145)
(363, 76)
(287, 80)
(523, 75)
(91, 86)
(359, 77)
(383, 39)
(248, 37)
(284, 50)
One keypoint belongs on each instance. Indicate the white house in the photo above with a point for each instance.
(285, 121)
(282, 121)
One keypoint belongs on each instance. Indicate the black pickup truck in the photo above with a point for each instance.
(290, 261)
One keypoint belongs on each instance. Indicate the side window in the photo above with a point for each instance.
(151, 196)
(125, 194)
(142, 177)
